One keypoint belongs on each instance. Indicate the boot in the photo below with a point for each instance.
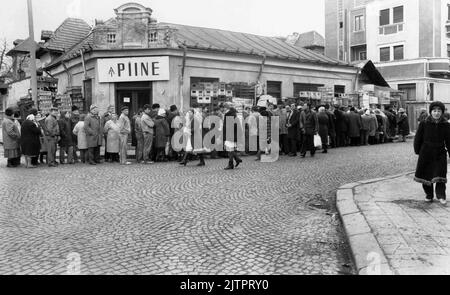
(185, 160)
(230, 166)
(237, 159)
(202, 161)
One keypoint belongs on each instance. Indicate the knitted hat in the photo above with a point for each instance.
(437, 104)
(124, 108)
(93, 107)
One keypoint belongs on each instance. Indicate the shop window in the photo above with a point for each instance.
(274, 89)
(398, 14)
(385, 54)
(111, 38)
(304, 87)
(359, 23)
(384, 17)
(398, 52)
(410, 91)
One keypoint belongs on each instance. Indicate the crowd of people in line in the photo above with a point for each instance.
(80, 136)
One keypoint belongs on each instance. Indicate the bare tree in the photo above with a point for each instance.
(5, 61)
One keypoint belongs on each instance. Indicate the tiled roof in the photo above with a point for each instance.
(234, 42)
(86, 45)
(69, 33)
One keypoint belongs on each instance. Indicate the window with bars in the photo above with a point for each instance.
(398, 14)
(384, 17)
(385, 54)
(398, 52)
(111, 38)
(359, 23)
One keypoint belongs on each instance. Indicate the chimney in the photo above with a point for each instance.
(46, 35)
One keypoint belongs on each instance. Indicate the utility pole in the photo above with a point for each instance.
(32, 45)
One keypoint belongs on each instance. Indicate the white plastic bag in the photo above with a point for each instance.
(317, 141)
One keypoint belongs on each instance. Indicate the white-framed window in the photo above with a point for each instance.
(111, 38)
(385, 53)
(385, 17)
(399, 53)
(398, 15)
(359, 23)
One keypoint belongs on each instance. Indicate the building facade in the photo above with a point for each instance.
(408, 41)
(134, 60)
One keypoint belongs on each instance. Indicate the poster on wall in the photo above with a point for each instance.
(45, 100)
(365, 103)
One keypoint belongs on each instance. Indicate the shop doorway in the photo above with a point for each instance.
(133, 95)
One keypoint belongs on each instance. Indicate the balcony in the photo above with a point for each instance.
(391, 29)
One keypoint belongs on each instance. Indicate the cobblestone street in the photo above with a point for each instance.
(277, 218)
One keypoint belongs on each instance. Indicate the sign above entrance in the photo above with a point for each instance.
(133, 69)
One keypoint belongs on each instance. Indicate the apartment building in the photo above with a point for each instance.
(408, 41)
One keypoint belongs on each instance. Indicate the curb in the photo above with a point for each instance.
(367, 254)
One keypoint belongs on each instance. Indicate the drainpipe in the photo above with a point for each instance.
(83, 63)
(183, 68)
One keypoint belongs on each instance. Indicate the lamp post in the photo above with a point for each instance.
(32, 47)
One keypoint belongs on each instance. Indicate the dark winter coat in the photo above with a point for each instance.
(341, 121)
(431, 141)
(354, 125)
(309, 123)
(294, 130)
(30, 140)
(162, 133)
(403, 125)
(65, 132)
(332, 127)
(392, 123)
(324, 126)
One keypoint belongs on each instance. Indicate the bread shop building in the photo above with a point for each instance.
(131, 59)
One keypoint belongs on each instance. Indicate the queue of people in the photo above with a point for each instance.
(81, 136)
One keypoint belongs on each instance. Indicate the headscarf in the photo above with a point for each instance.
(31, 117)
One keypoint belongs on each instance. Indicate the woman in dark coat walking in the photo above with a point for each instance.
(232, 139)
(431, 141)
(162, 134)
(30, 140)
(324, 128)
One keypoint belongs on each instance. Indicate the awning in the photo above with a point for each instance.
(373, 75)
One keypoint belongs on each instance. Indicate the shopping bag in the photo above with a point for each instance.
(317, 141)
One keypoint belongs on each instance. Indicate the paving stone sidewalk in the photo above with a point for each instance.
(392, 230)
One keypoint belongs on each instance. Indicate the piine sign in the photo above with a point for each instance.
(133, 69)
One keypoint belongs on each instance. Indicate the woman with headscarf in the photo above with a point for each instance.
(30, 140)
(11, 139)
(432, 143)
(162, 134)
(43, 140)
(112, 131)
